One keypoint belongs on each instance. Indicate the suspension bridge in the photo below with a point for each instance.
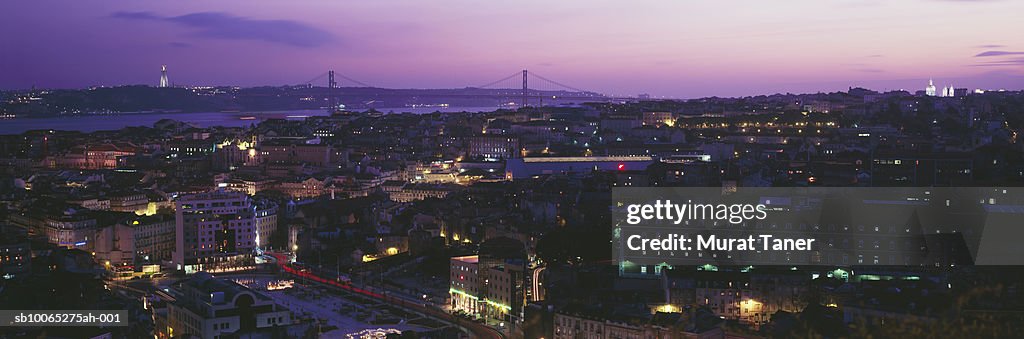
(523, 88)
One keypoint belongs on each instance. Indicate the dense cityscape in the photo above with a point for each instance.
(485, 224)
(449, 169)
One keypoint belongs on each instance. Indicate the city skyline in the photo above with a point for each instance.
(667, 50)
(489, 170)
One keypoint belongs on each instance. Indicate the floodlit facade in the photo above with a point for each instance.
(220, 230)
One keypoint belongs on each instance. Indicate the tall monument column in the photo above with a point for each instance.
(163, 77)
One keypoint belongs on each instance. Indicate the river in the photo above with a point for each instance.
(92, 123)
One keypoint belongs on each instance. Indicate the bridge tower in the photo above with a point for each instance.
(331, 85)
(525, 90)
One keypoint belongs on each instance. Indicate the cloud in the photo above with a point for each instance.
(135, 16)
(218, 25)
(990, 46)
(875, 56)
(1007, 62)
(179, 44)
(870, 70)
(997, 53)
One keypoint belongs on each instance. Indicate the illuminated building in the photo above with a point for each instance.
(416, 192)
(388, 245)
(309, 188)
(491, 285)
(492, 147)
(96, 156)
(658, 119)
(436, 175)
(135, 241)
(930, 90)
(189, 148)
(208, 307)
(492, 292)
(72, 229)
(249, 185)
(531, 166)
(464, 287)
(129, 202)
(818, 106)
(220, 229)
(238, 152)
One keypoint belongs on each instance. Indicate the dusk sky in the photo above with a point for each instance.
(679, 49)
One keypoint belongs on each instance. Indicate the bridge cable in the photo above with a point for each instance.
(357, 82)
(557, 83)
(318, 77)
(517, 74)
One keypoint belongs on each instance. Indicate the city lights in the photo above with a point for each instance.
(692, 169)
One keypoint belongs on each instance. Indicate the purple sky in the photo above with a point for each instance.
(680, 49)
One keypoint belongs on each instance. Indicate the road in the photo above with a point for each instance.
(478, 330)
